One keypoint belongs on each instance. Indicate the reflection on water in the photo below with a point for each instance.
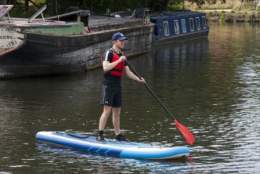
(66, 157)
(211, 85)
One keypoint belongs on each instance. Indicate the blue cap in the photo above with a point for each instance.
(119, 36)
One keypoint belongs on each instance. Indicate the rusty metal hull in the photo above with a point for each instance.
(49, 54)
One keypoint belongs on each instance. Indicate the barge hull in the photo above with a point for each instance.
(52, 55)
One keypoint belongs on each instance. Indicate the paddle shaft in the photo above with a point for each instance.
(151, 91)
(186, 133)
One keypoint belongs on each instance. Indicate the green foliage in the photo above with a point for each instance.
(175, 5)
(222, 17)
(198, 2)
(101, 6)
(21, 10)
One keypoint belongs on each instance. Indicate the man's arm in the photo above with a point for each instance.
(132, 76)
(107, 66)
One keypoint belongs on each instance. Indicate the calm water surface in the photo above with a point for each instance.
(212, 85)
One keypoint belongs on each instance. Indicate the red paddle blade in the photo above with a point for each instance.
(186, 133)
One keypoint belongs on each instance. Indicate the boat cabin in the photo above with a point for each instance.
(170, 25)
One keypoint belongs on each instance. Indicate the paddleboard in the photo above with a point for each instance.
(109, 147)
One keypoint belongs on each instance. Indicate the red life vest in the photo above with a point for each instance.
(118, 71)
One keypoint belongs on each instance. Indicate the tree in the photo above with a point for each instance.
(113, 5)
(198, 2)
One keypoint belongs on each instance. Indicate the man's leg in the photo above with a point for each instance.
(104, 116)
(116, 119)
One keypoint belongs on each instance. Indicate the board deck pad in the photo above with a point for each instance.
(109, 147)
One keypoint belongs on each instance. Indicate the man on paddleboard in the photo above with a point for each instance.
(114, 66)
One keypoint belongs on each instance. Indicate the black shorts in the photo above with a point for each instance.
(111, 96)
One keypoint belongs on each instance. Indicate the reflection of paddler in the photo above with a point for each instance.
(114, 66)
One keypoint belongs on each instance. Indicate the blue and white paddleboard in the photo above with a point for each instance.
(113, 148)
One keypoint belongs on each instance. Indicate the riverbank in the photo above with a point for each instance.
(228, 11)
(231, 16)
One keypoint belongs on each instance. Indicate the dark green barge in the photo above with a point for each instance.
(46, 46)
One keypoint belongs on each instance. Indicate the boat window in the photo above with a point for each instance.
(198, 23)
(191, 24)
(166, 30)
(204, 22)
(183, 26)
(176, 27)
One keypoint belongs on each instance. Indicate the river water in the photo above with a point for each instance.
(211, 85)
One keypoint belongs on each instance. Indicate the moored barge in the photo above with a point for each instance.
(46, 46)
(170, 26)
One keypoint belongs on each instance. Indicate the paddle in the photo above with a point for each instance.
(186, 133)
